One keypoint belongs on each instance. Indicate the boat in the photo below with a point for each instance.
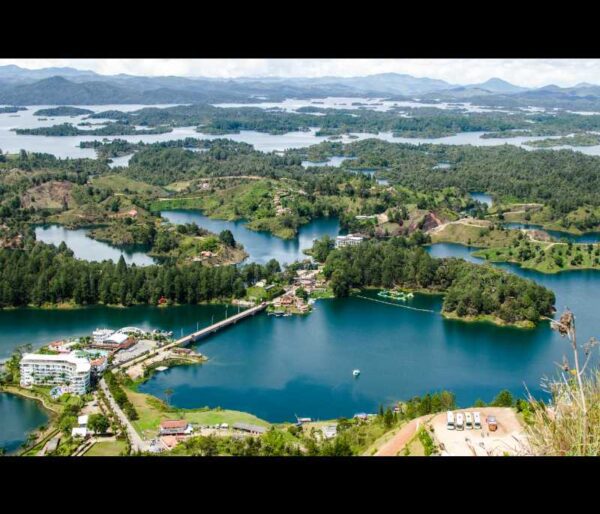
(276, 313)
(395, 295)
(356, 372)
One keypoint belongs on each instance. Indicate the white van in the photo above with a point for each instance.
(468, 421)
(450, 420)
(460, 421)
(477, 420)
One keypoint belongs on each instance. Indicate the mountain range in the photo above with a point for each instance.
(59, 86)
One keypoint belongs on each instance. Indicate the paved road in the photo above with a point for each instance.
(137, 443)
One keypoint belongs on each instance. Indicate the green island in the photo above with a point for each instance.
(63, 110)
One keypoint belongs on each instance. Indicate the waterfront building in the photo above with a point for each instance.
(100, 334)
(175, 427)
(349, 240)
(64, 370)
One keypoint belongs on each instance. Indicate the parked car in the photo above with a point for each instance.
(492, 423)
(460, 421)
(477, 420)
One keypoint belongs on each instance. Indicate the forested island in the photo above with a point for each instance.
(62, 110)
(471, 291)
(11, 109)
(110, 129)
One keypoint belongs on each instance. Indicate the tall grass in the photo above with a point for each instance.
(570, 425)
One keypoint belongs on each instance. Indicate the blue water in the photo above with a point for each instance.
(261, 246)
(86, 248)
(18, 417)
(483, 198)
(277, 368)
(589, 237)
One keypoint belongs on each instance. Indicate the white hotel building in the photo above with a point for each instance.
(52, 370)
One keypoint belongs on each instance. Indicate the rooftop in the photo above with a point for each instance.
(174, 423)
(82, 365)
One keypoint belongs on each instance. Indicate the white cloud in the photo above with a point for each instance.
(526, 72)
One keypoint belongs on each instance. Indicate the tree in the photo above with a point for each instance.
(503, 399)
(227, 238)
(98, 423)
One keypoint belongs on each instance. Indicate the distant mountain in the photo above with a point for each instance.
(12, 74)
(60, 91)
(496, 85)
(383, 83)
(69, 86)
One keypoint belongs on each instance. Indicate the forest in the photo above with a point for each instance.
(42, 274)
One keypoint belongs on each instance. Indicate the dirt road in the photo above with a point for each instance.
(399, 441)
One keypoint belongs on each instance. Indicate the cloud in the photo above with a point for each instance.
(526, 72)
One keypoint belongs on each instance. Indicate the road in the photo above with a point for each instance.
(399, 441)
(137, 443)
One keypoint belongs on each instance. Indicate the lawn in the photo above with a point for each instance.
(152, 411)
(106, 449)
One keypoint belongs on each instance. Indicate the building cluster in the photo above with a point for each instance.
(70, 366)
(171, 432)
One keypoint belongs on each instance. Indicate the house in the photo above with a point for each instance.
(287, 300)
(175, 427)
(329, 432)
(349, 240)
(362, 416)
(251, 429)
(77, 432)
(170, 441)
(62, 346)
(64, 370)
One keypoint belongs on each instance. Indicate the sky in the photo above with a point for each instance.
(522, 72)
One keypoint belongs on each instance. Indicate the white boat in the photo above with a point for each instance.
(356, 372)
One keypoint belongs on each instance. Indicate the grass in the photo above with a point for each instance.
(414, 448)
(152, 411)
(546, 257)
(469, 235)
(106, 449)
(120, 184)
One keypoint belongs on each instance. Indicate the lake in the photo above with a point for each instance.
(68, 146)
(261, 246)
(279, 367)
(272, 368)
(18, 416)
(86, 248)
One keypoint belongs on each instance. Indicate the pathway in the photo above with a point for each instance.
(137, 443)
(399, 441)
